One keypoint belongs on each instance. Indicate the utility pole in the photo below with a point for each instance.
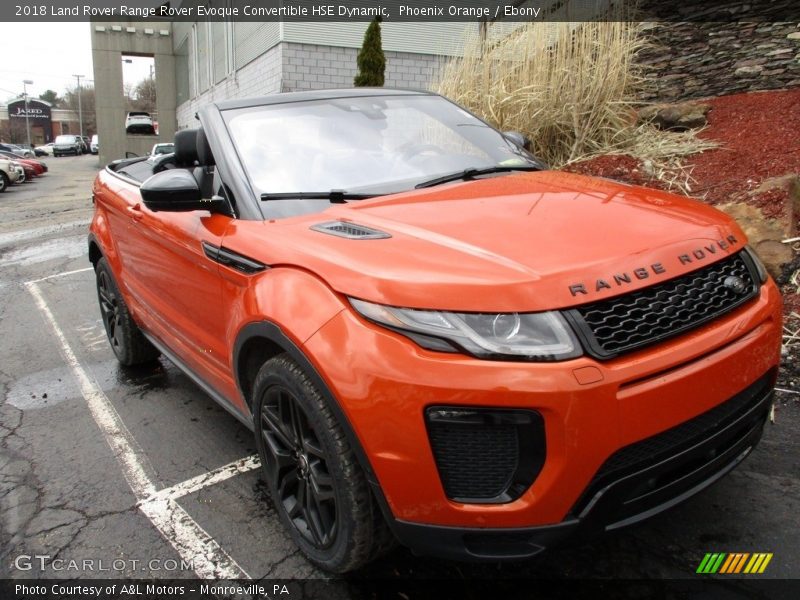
(25, 84)
(80, 109)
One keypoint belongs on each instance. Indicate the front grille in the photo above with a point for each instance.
(486, 455)
(672, 442)
(612, 327)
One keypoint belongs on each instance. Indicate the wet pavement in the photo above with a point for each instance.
(66, 492)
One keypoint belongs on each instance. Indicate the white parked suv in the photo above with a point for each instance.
(139, 122)
(10, 172)
(94, 146)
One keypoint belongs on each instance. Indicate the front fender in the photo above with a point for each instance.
(284, 306)
(295, 300)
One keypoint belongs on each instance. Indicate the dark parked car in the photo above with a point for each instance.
(68, 144)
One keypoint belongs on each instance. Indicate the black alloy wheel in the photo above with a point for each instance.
(109, 310)
(129, 344)
(319, 490)
(298, 467)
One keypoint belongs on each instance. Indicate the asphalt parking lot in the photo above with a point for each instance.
(101, 463)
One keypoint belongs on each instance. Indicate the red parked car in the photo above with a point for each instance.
(32, 167)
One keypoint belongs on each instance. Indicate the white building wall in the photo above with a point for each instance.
(259, 77)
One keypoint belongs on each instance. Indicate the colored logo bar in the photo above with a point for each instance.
(734, 562)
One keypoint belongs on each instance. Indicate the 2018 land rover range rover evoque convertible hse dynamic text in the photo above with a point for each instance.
(435, 339)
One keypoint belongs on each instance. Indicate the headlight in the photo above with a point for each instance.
(16, 164)
(761, 270)
(522, 336)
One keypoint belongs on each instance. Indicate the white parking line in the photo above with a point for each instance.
(195, 484)
(190, 540)
(64, 274)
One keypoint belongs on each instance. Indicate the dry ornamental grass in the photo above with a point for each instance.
(572, 89)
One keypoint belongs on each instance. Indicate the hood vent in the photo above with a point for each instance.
(351, 231)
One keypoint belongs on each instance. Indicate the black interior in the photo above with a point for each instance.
(192, 151)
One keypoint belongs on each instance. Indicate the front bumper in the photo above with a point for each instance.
(639, 490)
(591, 410)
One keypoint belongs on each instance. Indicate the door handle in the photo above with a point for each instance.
(135, 212)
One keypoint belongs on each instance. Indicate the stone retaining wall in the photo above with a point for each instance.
(695, 59)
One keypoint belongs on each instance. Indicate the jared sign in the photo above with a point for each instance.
(36, 110)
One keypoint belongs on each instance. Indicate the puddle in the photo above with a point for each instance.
(62, 248)
(53, 386)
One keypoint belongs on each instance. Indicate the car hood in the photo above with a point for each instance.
(522, 242)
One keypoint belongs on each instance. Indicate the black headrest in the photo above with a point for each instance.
(186, 147)
(204, 154)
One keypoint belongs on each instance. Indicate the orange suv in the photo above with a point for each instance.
(435, 339)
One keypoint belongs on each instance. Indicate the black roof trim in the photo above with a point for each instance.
(288, 97)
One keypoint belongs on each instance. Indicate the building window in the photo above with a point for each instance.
(202, 56)
(182, 89)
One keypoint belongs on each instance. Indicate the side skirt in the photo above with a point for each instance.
(207, 388)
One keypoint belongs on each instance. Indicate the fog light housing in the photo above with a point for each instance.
(486, 455)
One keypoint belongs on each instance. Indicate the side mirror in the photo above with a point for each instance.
(515, 137)
(177, 190)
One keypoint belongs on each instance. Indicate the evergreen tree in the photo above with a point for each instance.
(371, 60)
(51, 97)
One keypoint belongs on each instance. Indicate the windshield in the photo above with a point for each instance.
(378, 144)
(65, 139)
(163, 149)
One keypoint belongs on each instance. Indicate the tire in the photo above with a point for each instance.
(4, 182)
(339, 527)
(126, 339)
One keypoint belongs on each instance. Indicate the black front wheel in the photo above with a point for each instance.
(319, 489)
(127, 341)
(4, 182)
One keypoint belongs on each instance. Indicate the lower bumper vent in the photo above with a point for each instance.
(486, 455)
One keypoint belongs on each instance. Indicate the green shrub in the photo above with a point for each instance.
(371, 60)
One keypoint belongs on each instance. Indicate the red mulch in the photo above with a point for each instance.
(759, 135)
(621, 168)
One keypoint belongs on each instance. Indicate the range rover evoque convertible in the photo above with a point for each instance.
(436, 339)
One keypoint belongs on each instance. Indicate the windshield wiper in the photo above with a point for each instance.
(335, 196)
(473, 172)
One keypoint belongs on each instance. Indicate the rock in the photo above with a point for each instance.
(795, 35)
(752, 62)
(763, 234)
(774, 255)
(748, 71)
(676, 117)
(791, 185)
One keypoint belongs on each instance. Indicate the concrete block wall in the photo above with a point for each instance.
(313, 67)
(290, 67)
